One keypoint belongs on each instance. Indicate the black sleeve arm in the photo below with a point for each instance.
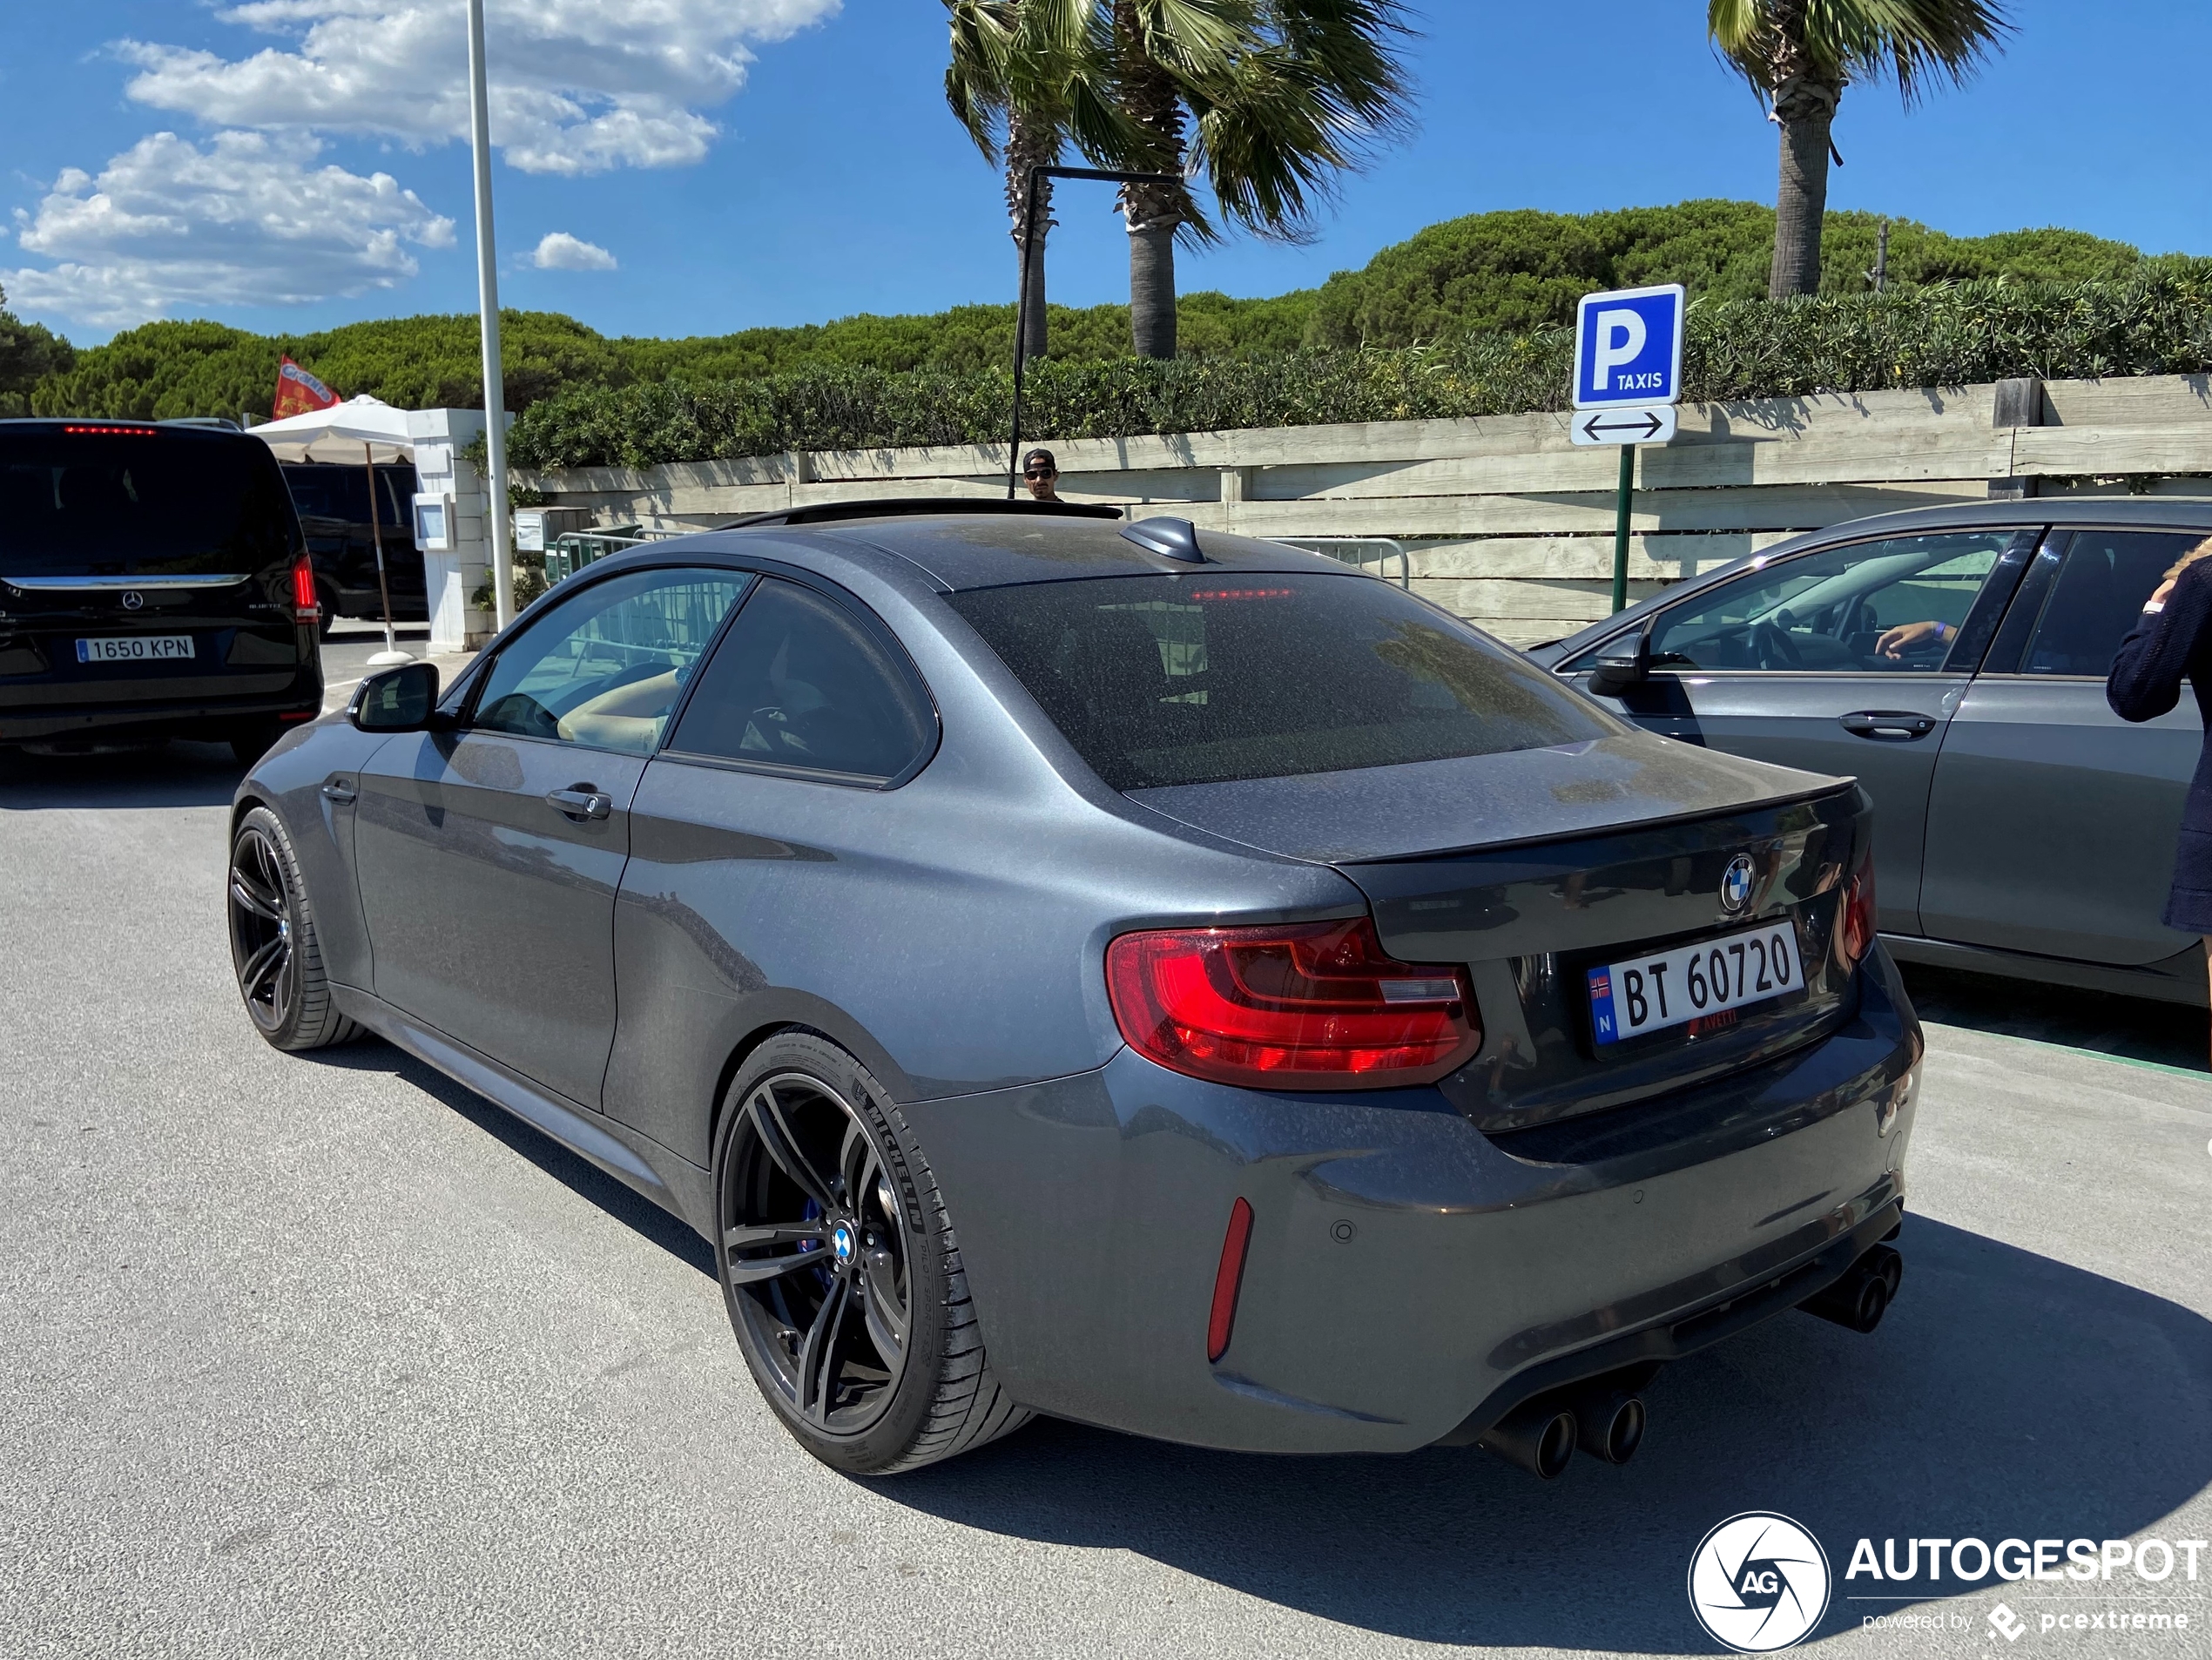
(2153, 661)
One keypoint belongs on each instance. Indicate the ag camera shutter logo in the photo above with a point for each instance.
(1759, 1582)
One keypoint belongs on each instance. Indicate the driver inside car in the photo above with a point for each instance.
(1896, 642)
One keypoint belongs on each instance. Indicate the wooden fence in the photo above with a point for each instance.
(1501, 519)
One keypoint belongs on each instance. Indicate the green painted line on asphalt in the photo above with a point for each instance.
(2073, 1048)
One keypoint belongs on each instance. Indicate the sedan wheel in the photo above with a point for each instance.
(842, 1276)
(272, 941)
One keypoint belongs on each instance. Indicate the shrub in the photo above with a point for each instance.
(2158, 322)
(1524, 269)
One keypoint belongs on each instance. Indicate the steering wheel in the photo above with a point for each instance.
(1772, 648)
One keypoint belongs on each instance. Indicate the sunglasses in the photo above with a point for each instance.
(1042, 472)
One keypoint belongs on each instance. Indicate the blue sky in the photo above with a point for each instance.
(745, 162)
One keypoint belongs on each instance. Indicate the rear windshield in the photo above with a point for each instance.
(155, 503)
(325, 490)
(1173, 679)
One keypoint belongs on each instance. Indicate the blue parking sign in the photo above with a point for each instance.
(1628, 348)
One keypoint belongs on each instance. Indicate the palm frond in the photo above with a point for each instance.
(1911, 42)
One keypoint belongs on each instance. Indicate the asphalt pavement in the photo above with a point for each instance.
(323, 1356)
(350, 644)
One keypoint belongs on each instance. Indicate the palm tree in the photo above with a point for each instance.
(1799, 55)
(1269, 99)
(1026, 76)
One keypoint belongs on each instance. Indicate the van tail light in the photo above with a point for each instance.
(306, 606)
(1303, 1006)
(1858, 913)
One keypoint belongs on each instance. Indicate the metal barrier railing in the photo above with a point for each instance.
(1364, 551)
(574, 549)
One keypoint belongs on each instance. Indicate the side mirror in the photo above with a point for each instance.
(399, 699)
(1622, 664)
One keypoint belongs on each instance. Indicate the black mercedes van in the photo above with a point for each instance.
(153, 584)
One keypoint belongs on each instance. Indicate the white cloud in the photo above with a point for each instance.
(558, 251)
(250, 219)
(576, 86)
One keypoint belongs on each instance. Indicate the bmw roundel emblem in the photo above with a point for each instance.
(841, 1242)
(1736, 885)
(133, 599)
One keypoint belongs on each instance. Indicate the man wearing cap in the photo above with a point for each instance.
(1042, 473)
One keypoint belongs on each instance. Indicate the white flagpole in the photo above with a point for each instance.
(502, 568)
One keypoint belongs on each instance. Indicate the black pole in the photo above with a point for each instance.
(1021, 328)
(1022, 305)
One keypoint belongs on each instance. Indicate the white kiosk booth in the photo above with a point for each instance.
(450, 528)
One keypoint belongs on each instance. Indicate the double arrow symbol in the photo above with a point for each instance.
(1643, 427)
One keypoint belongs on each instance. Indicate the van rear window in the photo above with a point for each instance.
(1177, 679)
(142, 502)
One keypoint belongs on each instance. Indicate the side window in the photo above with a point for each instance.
(2099, 592)
(605, 666)
(1873, 607)
(799, 683)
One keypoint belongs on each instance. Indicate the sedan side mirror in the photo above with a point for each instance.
(1622, 664)
(399, 699)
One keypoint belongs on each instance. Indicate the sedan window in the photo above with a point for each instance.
(799, 683)
(605, 666)
(1882, 607)
(2100, 593)
(1195, 679)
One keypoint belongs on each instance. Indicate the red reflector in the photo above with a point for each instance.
(1303, 1006)
(1859, 923)
(1228, 1281)
(127, 432)
(307, 607)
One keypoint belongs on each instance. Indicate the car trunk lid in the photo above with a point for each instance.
(1639, 834)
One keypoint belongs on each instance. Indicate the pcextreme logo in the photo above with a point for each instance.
(1759, 1582)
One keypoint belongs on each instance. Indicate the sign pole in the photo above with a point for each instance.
(502, 566)
(1622, 511)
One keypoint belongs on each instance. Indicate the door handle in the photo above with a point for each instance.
(339, 790)
(1891, 725)
(581, 802)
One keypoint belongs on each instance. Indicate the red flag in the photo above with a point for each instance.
(298, 392)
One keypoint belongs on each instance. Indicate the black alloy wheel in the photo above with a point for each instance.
(273, 948)
(841, 1269)
(262, 932)
(816, 1255)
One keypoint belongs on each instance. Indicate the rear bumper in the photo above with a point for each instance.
(155, 718)
(1409, 1278)
(368, 603)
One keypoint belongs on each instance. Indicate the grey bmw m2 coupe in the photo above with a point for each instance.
(1154, 978)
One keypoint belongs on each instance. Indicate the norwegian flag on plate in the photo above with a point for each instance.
(298, 392)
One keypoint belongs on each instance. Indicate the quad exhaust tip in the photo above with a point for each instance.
(1860, 1298)
(1540, 1435)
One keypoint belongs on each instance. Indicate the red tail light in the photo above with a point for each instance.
(1858, 913)
(1306, 1006)
(1228, 1281)
(307, 607)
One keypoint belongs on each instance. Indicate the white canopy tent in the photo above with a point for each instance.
(365, 429)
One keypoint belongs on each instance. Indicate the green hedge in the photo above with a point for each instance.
(1515, 271)
(1520, 268)
(2159, 322)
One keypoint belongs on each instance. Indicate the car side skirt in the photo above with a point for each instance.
(2177, 979)
(638, 1162)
